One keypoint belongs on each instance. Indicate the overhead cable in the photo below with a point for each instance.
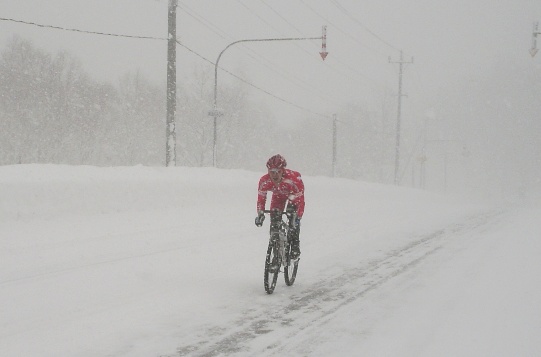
(164, 39)
(348, 14)
(81, 31)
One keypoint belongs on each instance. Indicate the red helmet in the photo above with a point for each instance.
(276, 162)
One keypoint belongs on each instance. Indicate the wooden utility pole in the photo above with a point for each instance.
(397, 146)
(170, 146)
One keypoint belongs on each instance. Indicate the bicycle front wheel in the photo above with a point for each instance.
(291, 266)
(272, 268)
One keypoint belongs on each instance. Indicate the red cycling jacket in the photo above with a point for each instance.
(291, 188)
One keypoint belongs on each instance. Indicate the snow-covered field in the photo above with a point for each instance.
(139, 261)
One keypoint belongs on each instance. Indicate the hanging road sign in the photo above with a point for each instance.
(324, 52)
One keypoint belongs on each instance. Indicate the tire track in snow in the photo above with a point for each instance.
(275, 324)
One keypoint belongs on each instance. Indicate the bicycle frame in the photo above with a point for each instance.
(278, 250)
(278, 233)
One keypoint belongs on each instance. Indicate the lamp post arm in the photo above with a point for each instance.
(215, 113)
(249, 40)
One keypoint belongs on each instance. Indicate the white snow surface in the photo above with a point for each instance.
(141, 261)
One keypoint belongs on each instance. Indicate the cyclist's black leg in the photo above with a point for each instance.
(276, 220)
(295, 242)
(275, 223)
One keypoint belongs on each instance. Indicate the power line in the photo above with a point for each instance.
(302, 82)
(334, 57)
(204, 22)
(348, 14)
(253, 85)
(261, 60)
(259, 17)
(163, 39)
(279, 15)
(336, 27)
(342, 9)
(82, 31)
(289, 23)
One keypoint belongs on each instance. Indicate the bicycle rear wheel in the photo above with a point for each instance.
(290, 269)
(272, 268)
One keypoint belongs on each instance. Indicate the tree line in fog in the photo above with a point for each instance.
(52, 111)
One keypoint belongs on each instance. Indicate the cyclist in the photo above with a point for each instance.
(285, 185)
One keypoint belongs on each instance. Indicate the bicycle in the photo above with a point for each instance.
(278, 252)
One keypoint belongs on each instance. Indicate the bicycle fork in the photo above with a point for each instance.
(282, 244)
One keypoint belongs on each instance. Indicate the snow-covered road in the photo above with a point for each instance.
(167, 262)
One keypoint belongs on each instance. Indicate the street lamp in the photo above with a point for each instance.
(215, 112)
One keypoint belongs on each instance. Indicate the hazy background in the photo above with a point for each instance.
(470, 123)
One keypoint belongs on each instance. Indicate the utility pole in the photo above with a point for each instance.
(446, 153)
(423, 158)
(397, 146)
(170, 142)
(334, 145)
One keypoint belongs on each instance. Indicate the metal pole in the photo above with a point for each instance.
(423, 157)
(445, 172)
(334, 145)
(215, 112)
(170, 146)
(397, 145)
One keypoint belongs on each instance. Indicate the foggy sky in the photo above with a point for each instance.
(453, 44)
(449, 41)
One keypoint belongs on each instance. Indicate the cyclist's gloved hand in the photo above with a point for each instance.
(259, 219)
(291, 209)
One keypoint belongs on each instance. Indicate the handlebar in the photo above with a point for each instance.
(277, 212)
(274, 211)
(291, 215)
